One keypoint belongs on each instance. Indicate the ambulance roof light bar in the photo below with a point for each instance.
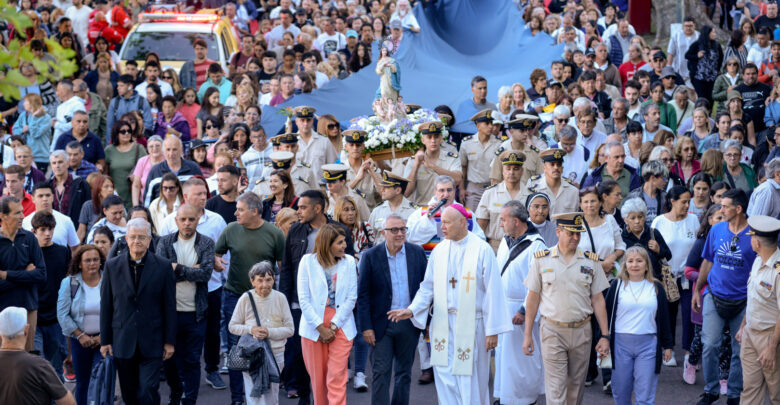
(175, 17)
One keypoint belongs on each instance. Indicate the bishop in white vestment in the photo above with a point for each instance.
(519, 378)
(463, 283)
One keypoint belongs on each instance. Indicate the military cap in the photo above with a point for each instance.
(277, 140)
(393, 180)
(552, 155)
(281, 160)
(523, 122)
(483, 116)
(410, 108)
(513, 157)
(762, 225)
(334, 172)
(291, 138)
(354, 135)
(431, 128)
(571, 221)
(305, 111)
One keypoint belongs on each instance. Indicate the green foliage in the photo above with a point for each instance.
(18, 52)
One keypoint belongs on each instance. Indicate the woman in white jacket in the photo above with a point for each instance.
(327, 291)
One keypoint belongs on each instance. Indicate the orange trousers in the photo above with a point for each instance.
(326, 364)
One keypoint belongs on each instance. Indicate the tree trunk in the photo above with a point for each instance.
(664, 15)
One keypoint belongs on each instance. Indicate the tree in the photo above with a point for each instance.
(664, 14)
(18, 52)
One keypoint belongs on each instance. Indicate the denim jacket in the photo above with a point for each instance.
(70, 311)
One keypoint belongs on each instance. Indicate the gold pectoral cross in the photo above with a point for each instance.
(468, 279)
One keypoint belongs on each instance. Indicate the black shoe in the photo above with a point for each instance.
(708, 399)
(426, 377)
(732, 401)
(607, 388)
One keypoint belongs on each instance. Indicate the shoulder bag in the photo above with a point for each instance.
(669, 280)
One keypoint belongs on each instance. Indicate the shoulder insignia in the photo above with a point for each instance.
(452, 154)
(499, 150)
(414, 205)
(568, 180)
(777, 267)
(451, 142)
(268, 163)
(260, 180)
(541, 253)
(489, 187)
(303, 180)
(360, 193)
(592, 256)
(533, 148)
(536, 177)
(305, 164)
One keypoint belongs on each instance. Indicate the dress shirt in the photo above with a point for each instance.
(398, 279)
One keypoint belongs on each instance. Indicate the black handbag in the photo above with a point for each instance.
(273, 368)
(726, 308)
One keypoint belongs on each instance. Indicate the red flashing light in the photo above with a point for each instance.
(159, 16)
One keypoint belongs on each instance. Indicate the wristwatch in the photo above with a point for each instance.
(333, 327)
(605, 337)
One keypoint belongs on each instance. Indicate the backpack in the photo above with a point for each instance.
(102, 382)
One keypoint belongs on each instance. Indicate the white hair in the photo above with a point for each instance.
(581, 102)
(562, 111)
(139, 223)
(730, 144)
(772, 167)
(633, 205)
(504, 91)
(655, 154)
(58, 153)
(12, 322)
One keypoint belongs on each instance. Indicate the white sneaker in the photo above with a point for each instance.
(360, 382)
(671, 363)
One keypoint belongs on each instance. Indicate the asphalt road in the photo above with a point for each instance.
(671, 389)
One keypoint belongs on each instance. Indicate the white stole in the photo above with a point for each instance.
(465, 323)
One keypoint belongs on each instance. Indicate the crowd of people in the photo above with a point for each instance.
(149, 219)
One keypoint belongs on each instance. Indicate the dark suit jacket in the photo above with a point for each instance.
(375, 291)
(145, 319)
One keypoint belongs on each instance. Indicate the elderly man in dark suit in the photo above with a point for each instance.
(138, 315)
(390, 274)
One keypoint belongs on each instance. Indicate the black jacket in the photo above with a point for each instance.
(662, 322)
(20, 287)
(268, 205)
(204, 246)
(664, 252)
(144, 318)
(79, 194)
(375, 290)
(295, 246)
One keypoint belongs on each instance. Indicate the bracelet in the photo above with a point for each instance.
(79, 336)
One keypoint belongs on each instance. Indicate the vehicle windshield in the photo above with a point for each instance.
(172, 46)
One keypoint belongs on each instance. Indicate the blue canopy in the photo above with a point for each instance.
(459, 39)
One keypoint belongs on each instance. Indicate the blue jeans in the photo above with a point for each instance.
(50, 342)
(182, 371)
(634, 360)
(229, 300)
(361, 352)
(711, 336)
(83, 359)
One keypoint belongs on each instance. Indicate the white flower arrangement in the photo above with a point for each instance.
(400, 134)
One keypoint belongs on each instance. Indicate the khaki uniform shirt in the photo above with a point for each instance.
(362, 208)
(531, 167)
(426, 178)
(763, 301)
(566, 200)
(476, 156)
(319, 151)
(565, 288)
(365, 186)
(489, 208)
(380, 213)
(302, 178)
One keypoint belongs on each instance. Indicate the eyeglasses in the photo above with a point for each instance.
(209, 127)
(167, 78)
(732, 64)
(396, 231)
(561, 120)
(667, 160)
(734, 242)
(125, 131)
(252, 114)
(731, 155)
(97, 260)
(687, 149)
(333, 126)
(169, 188)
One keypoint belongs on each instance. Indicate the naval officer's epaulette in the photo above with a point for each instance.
(592, 256)
(541, 253)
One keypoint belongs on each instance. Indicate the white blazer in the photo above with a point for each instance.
(313, 294)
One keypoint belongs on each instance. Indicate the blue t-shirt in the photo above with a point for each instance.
(732, 259)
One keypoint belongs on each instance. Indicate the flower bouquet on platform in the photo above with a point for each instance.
(398, 138)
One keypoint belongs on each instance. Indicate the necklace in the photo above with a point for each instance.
(631, 290)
